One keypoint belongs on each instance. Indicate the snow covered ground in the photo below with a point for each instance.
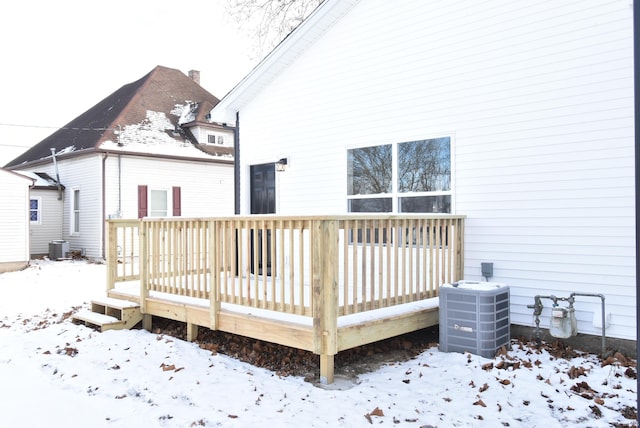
(57, 374)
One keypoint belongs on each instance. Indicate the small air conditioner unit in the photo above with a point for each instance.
(58, 249)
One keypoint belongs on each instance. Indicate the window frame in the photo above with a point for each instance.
(74, 220)
(38, 210)
(395, 195)
(169, 202)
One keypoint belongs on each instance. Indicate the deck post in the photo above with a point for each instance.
(325, 294)
(143, 240)
(460, 252)
(215, 249)
(112, 254)
(192, 332)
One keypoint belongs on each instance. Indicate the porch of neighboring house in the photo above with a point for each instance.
(321, 284)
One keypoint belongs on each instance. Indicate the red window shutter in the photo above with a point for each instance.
(177, 202)
(143, 211)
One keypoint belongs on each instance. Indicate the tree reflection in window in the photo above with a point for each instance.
(413, 176)
(369, 170)
(424, 166)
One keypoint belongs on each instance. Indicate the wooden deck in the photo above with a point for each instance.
(322, 284)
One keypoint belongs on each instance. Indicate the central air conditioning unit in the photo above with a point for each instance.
(474, 317)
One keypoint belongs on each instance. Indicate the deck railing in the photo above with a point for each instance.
(123, 251)
(278, 263)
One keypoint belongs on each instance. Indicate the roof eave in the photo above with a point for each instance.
(213, 159)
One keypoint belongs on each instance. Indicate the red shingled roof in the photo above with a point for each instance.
(159, 91)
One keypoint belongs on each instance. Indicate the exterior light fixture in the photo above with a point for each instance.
(281, 165)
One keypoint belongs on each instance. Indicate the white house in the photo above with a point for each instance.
(14, 227)
(46, 200)
(519, 115)
(145, 150)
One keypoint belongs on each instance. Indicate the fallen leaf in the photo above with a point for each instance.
(377, 412)
(480, 403)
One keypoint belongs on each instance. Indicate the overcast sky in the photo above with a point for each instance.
(62, 57)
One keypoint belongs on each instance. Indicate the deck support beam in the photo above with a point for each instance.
(326, 369)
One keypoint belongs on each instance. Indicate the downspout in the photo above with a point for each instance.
(236, 165)
(236, 181)
(104, 209)
(55, 166)
(119, 186)
(636, 98)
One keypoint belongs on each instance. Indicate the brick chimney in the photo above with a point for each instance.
(195, 76)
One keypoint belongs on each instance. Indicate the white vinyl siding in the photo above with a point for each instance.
(538, 98)
(14, 227)
(50, 226)
(206, 188)
(84, 174)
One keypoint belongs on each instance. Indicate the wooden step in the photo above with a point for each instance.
(124, 310)
(94, 319)
(114, 303)
(108, 313)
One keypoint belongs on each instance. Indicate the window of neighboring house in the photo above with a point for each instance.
(158, 202)
(215, 139)
(35, 210)
(75, 211)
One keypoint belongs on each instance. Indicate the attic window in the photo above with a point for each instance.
(215, 139)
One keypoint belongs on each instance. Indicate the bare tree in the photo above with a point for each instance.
(268, 22)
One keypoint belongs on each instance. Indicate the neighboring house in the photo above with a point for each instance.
(14, 227)
(519, 116)
(45, 212)
(145, 150)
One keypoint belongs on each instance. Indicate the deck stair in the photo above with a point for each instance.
(110, 314)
